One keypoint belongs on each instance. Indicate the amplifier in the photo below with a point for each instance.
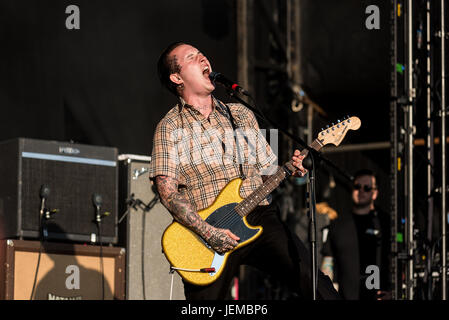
(73, 173)
(141, 228)
(60, 271)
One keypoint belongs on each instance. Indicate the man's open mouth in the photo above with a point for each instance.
(206, 71)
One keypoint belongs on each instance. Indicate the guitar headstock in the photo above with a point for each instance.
(337, 131)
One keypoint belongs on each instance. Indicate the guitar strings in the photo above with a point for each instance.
(229, 218)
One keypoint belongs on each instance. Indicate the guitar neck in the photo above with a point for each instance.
(251, 202)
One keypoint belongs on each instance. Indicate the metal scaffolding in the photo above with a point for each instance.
(407, 33)
(268, 42)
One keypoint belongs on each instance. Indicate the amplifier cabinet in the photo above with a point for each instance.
(66, 271)
(147, 276)
(73, 173)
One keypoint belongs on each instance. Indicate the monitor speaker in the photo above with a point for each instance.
(143, 219)
(72, 173)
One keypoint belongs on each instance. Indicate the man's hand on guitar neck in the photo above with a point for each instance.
(220, 240)
(297, 159)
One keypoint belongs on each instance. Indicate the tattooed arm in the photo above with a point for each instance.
(221, 240)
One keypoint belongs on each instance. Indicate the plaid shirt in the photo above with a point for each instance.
(202, 154)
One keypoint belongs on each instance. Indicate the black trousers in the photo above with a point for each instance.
(278, 252)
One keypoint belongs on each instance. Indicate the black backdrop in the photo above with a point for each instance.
(98, 85)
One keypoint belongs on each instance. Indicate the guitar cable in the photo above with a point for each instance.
(171, 285)
(203, 270)
(172, 272)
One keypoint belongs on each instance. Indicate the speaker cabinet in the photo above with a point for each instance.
(60, 271)
(72, 172)
(147, 276)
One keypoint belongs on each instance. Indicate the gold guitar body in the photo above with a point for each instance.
(186, 250)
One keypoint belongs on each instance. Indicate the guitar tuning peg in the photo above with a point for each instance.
(338, 121)
(327, 126)
(322, 129)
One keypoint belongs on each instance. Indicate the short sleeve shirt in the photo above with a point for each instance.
(203, 155)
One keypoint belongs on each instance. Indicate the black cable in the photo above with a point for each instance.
(37, 269)
(42, 237)
(101, 258)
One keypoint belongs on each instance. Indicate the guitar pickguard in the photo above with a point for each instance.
(227, 218)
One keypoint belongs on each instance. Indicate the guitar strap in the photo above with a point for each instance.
(226, 109)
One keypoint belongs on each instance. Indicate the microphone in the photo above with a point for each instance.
(44, 192)
(97, 200)
(221, 79)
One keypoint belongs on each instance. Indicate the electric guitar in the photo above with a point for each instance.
(192, 257)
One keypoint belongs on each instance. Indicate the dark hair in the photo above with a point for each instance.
(166, 66)
(365, 172)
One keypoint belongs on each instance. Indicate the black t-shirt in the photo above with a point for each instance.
(368, 235)
(355, 242)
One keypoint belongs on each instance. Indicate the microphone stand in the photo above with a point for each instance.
(98, 202)
(44, 215)
(312, 228)
(295, 138)
(312, 201)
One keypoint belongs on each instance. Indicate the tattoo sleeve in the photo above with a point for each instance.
(184, 213)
